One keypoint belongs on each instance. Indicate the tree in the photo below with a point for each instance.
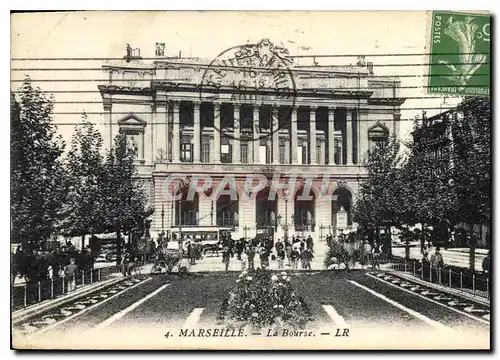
(472, 165)
(37, 177)
(382, 198)
(84, 164)
(124, 199)
(427, 177)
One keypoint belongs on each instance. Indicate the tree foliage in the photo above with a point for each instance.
(444, 181)
(79, 194)
(37, 175)
(379, 201)
(472, 161)
(84, 164)
(123, 197)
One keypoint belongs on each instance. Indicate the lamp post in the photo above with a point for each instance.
(162, 218)
(284, 221)
(212, 213)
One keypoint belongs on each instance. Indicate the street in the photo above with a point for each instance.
(160, 305)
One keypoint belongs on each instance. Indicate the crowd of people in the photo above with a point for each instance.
(286, 253)
(35, 265)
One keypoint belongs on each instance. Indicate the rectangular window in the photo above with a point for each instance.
(186, 152)
(226, 154)
(304, 155)
(244, 153)
(205, 154)
(282, 154)
(263, 154)
(338, 150)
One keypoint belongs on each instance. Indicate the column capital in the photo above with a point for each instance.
(217, 105)
(313, 107)
(175, 104)
(256, 107)
(196, 105)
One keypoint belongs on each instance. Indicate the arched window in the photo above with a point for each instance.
(343, 201)
(187, 208)
(265, 209)
(304, 210)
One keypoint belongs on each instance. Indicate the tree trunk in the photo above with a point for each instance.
(472, 249)
(118, 247)
(422, 239)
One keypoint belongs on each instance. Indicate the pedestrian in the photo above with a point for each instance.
(281, 258)
(264, 257)
(288, 251)
(306, 257)
(124, 264)
(251, 256)
(191, 252)
(295, 255)
(225, 257)
(70, 273)
(367, 252)
(426, 264)
(310, 243)
(436, 263)
(487, 270)
(244, 260)
(376, 256)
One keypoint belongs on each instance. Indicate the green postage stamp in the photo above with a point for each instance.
(459, 57)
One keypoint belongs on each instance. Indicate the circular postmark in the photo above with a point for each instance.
(251, 74)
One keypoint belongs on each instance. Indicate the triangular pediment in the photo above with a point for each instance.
(132, 119)
(378, 128)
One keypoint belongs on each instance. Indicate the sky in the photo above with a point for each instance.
(90, 38)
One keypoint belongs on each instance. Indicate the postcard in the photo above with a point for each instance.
(261, 180)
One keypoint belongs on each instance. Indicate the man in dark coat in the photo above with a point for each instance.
(310, 243)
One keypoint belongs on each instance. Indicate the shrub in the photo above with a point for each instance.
(345, 253)
(262, 299)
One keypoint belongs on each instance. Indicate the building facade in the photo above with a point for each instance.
(177, 124)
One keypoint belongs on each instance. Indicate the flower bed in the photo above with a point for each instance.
(263, 299)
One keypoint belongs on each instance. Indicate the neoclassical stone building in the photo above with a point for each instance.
(176, 123)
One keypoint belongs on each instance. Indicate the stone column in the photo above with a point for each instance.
(275, 136)
(197, 132)
(294, 145)
(362, 134)
(216, 133)
(154, 126)
(312, 135)
(331, 136)
(349, 124)
(256, 134)
(236, 133)
(176, 143)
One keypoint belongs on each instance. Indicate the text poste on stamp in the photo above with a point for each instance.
(459, 61)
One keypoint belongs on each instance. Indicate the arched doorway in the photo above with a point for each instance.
(343, 200)
(304, 210)
(186, 209)
(265, 209)
(227, 211)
